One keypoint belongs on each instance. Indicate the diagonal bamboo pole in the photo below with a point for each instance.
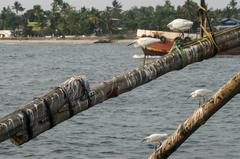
(198, 118)
(72, 96)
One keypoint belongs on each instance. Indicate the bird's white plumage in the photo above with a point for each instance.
(180, 25)
(144, 41)
(200, 93)
(156, 138)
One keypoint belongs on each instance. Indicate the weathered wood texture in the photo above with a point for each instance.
(198, 118)
(71, 97)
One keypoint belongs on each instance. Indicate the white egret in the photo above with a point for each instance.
(180, 25)
(155, 139)
(144, 41)
(200, 94)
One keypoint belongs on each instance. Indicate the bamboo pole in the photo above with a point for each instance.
(72, 96)
(198, 118)
(203, 22)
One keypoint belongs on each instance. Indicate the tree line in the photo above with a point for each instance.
(64, 19)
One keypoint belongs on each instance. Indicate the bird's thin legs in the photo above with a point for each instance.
(144, 60)
(204, 99)
(157, 146)
(160, 143)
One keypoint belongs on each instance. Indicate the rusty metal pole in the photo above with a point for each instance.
(72, 96)
(198, 118)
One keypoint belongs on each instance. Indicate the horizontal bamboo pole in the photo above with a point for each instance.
(72, 97)
(198, 118)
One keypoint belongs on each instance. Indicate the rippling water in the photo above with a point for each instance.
(115, 128)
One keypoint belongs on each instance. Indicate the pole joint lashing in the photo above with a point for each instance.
(209, 35)
(86, 90)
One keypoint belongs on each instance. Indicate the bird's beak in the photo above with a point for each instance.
(187, 98)
(143, 140)
(131, 43)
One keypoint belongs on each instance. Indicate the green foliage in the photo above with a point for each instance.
(9, 20)
(63, 19)
(188, 11)
(163, 15)
(130, 20)
(231, 10)
(35, 21)
(116, 9)
(17, 7)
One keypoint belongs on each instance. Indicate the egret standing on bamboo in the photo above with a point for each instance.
(180, 25)
(200, 94)
(144, 41)
(155, 139)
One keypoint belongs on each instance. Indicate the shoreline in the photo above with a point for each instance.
(60, 41)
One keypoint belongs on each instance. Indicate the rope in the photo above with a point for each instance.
(87, 92)
(210, 37)
(202, 8)
(227, 30)
(179, 51)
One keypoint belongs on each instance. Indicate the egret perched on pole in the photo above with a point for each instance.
(144, 41)
(200, 94)
(180, 25)
(155, 139)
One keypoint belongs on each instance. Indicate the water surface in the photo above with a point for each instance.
(115, 128)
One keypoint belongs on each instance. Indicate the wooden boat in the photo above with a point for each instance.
(167, 41)
(158, 48)
(164, 46)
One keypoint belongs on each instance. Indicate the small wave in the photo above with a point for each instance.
(138, 56)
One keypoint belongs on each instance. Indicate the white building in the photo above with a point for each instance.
(5, 33)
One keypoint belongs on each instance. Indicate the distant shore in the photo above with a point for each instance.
(70, 39)
(62, 41)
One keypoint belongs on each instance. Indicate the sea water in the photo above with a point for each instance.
(115, 128)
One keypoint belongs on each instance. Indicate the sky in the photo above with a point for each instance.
(101, 4)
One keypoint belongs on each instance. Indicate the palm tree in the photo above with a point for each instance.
(116, 9)
(17, 7)
(38, 13)
(57, 5)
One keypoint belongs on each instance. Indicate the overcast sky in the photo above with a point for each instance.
(101, 4)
